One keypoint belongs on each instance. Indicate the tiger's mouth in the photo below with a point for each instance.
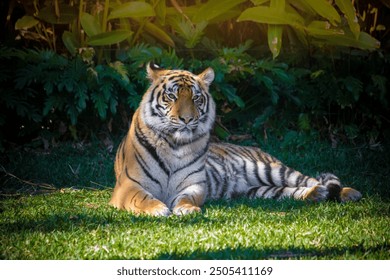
(184, 134)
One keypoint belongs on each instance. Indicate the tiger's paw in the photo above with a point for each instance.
(316, 194)
(349, 194)
(156, 209)
(186, 209)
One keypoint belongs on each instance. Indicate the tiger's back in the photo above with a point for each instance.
(166, 161)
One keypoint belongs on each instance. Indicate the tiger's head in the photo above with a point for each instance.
(178, 104)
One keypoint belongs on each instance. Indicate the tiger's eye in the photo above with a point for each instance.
(171, 96)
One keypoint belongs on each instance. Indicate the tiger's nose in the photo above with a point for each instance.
(186, 119)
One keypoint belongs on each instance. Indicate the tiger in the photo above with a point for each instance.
(167, 164)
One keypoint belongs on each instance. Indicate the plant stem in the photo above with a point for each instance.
(105, 15)
(79, 23)
(104, 27)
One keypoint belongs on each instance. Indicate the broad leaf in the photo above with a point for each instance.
(70, 42)
(67, 14)
(26, 22)
(271, 16)
(214, 8)
(90, 24)
(278, 4)
(365, 41)
(349, 11)
(325, 9)
(159, 34)
(161, 11)
(259, 2)
(132, 9)
(275, 39)
(322, 28)
(108, 38)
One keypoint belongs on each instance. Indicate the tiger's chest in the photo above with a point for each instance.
(174, 168)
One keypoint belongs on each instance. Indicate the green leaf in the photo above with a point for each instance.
(271, 16)
(259, 2)
(214, 8)
(158, 33)
(161, 11)
(67, 14)
(364, 42)
(275, 39)
(100, 103)
(191, 33)
(230, 92)
(70, 42)
(322, 28)
(349, 11)
(325, 9)
(90, 24)
(278, 4)
(26, 22)
(132, 9)
(108, 38)
(221, 132)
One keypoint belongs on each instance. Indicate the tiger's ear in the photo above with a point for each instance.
(153, 70)
(207, 76)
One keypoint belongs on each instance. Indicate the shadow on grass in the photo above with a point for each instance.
(90, 219)
(241, 253)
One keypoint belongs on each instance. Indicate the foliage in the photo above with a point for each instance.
(49, 95)
(107, 25)
(60, 92)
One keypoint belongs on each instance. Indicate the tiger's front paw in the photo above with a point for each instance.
(316, 194)
(349, 194)
(156, 208)
(186, 209)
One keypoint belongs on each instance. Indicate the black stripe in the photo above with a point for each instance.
(257, 173)
(146, 196)
(248, 154)
(268, 174)
(151, 150)
(208, 185)
(299, 180)
(191, 173)
(304, 183)
(133, 198)
(130, 178)
(246, 172)
(252, 192)
(200, 155)
(232, 151)
(267, 190)
(288, 175)
(282, 172)
(145, 168)
(152, 93)
(294, 192)
(279, 193)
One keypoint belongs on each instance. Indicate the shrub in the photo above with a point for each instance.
(53, 97)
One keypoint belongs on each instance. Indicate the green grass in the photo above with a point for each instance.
(75, 222)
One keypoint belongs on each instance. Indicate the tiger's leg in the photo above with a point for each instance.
(325, 187)
(131, 197)
(189, 201)
(336, 191)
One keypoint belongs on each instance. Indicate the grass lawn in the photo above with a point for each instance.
(73, 221)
